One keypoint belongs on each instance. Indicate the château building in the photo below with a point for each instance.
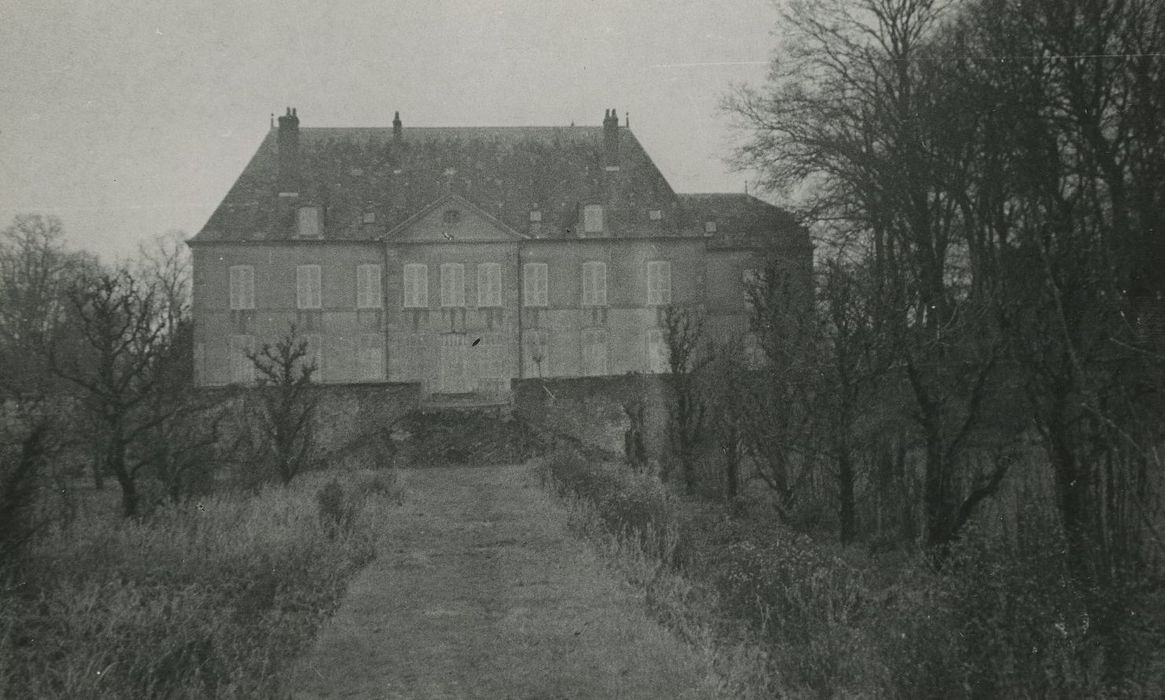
(463, 258)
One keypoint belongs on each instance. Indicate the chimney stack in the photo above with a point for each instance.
(288, 145)
(396, 127)
(611, 138)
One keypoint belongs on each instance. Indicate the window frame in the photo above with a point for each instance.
(242, 287)
(536, 284)
(452, 285)
(373, 350)
(658, 272)
(416, 293)
(593, 219)
(594, 294)
(318, 221)
(592, 339)
(373, 294)
(303, 287)
(489, 294)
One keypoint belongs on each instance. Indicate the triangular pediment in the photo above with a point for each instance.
(453, 218)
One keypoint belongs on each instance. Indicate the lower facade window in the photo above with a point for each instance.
(370, 357)
(594, 352)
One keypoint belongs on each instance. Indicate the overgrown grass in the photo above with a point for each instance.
(211, 599)
(837, 622)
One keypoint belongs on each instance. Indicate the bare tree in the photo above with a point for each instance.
(35, 271)
(289, 402)
(688, 355)
(774, 409)
(121, 370)
(859, 108)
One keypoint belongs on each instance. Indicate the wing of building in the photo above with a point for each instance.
(463, 258)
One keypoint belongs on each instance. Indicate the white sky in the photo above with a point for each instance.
(127, 119)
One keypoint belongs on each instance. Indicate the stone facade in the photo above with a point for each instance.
(555, 257)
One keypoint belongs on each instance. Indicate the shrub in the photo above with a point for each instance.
(338, 510)
(628, 503)
(206, 599)
(18, 489)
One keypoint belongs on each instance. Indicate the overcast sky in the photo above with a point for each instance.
(127, 119)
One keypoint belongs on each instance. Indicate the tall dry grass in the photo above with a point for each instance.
(834, 621)
(210, 599)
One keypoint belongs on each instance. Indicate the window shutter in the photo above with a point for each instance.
(236, 290)
(248, 290)
(361, 286)
(416, 285)
(593, 218)
(665, 283)
(589, 281)
(452, 284)
(300, 288)
(535, 284)
(410, 290)
(368, 292)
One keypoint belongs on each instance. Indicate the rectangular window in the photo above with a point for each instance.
(594, 284)
(368, 291)
(242, 287)
(489, 284)
(242, 368)
(535, 284)
(452, 284)
(594, 352)
(370, 357)
(657, 353)
(593, 218)
(655, 214)
(709, 228)
(308, 222)
(308, 287)
(416, 286)
(535, 216)
(658, 283)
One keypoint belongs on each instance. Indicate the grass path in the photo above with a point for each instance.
(480, 592)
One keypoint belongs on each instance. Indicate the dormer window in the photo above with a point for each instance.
(593, 218)
(451, 216)
(655, 214)
(308, 224)
(535, 216)
(709, 228)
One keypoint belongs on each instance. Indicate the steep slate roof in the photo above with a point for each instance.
(743, 220)
(505, 171)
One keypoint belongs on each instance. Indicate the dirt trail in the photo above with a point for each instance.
(480, 592)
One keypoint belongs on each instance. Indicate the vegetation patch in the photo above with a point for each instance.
(834, 621)
(207, 599)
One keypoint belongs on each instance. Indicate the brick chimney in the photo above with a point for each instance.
(611, 139)
(396, 127)
(288, 145)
